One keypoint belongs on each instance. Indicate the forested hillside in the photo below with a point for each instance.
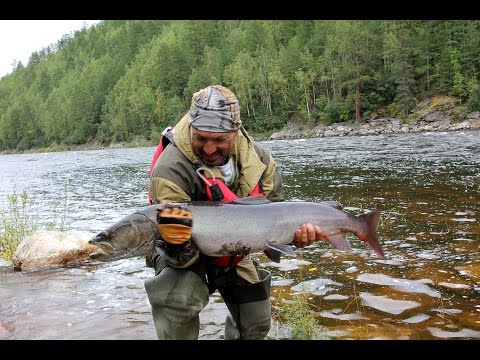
(120, 80)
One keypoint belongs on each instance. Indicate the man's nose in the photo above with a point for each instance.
(209, 149)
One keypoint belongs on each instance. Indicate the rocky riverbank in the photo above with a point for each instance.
(440, 113)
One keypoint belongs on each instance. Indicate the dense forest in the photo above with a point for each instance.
(125, 79)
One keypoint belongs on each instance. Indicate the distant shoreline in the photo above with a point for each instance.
(291, 131)
(438, 113)
(373, 127)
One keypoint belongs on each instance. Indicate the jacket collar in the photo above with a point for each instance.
(243, 155)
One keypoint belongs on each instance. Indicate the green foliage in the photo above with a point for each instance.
(19, 222)
(332, 111)
(300, 318)
(458, 86)
(378, 93)
(124, 79)
(473, 91)
(16, 224)
(395, 109)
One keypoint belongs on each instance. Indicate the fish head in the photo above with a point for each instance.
(131, 236)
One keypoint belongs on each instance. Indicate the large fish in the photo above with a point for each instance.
(244, 226)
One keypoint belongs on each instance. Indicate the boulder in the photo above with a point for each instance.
(44, 249)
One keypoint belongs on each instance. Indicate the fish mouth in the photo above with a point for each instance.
(105, 246)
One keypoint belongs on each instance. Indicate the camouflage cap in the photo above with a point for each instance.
(215, 109)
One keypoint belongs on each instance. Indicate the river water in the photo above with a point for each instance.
(427, 186)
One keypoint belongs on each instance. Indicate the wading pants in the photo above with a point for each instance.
(178, 295)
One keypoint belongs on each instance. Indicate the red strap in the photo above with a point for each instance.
(256, 190)
(165, 139)
(226, 261)
(155, 156)
(228, 195)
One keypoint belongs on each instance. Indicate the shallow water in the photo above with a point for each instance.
(426, 185)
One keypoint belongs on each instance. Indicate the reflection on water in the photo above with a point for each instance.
(426, 186)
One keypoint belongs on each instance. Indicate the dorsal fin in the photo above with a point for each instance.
(251, 200)
(332, 203)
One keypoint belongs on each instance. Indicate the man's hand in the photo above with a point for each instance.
(174, 223)
(306, 235)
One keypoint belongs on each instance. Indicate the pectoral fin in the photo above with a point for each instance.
(274, 252)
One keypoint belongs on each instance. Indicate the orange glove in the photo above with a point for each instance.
(174, 223)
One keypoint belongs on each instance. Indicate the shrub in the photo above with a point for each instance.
(300, 318)
(16, 224)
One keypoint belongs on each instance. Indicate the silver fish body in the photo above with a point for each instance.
(242, 228)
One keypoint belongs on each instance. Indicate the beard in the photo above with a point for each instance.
(218, 158)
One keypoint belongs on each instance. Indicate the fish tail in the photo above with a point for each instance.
(372, 220)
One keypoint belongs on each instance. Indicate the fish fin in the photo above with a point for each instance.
(272, 254)
(372, 219)
(339, 241)
(251, 200)
(274, 251)
(332, 203)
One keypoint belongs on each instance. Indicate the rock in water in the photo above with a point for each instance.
(45, 249)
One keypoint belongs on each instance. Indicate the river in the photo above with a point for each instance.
(427, 186)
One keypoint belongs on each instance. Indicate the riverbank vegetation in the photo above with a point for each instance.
(121, 80)
(300, 318)
(20, 221)
(17, 223)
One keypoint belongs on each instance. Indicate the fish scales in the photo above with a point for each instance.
(242, 228)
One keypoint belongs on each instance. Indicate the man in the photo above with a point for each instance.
(209, 142)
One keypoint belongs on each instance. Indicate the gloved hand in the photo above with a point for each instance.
(174, 223)
(177, 256)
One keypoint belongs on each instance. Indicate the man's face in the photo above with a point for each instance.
(212, 148)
